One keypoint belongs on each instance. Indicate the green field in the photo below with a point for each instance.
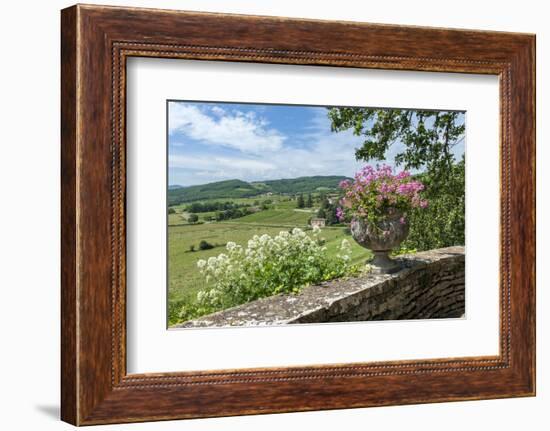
(184, 278)
(277, 217)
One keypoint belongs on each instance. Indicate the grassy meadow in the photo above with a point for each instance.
(280, 214)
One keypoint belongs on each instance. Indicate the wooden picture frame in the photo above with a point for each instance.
(95, 43)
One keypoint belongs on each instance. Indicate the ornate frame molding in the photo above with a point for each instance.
(96, 41)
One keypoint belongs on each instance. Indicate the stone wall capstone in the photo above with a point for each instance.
(430, 285)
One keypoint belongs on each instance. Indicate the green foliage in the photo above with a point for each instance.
(204, 207)
(442, 223)
(267, 266)
(300, 201)
(428, 138)
(193, 218)
(221, 189)
(174, 310)
(231, 214)
(309, 201)
(171, 210)
(331, 218)
(304, 184)
(327, 211)
(324, 202)
(205, 245)
(403, 249)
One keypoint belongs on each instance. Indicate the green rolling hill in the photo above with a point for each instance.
(234, 189)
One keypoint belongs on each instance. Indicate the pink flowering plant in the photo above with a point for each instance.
(376, 193)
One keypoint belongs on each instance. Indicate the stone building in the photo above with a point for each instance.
(319, 222)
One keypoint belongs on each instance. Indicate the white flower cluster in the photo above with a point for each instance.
(345, 251)
(269, 265)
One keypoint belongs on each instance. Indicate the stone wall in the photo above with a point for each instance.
(430, 285)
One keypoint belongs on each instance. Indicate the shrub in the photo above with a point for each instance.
(193, 218)
(205, 245)
(174, 311)
(171, 210)
(442, 224)
(231, 214)
(268, 265)
(191, 248)
(202, 207)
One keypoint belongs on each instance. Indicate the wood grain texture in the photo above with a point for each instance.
(69, 397)
(96, 41)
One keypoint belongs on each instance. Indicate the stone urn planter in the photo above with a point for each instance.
(381, 239)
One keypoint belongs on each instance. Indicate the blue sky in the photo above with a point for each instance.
(210, 142)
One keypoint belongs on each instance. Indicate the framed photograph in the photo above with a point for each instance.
(264, 214)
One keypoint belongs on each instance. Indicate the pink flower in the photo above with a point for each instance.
(402, 175)
(339, 214)
(377, 191)
(344, 184)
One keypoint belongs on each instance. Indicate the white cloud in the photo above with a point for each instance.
(218, 111)
(214, 162)
(328, 156)
(241, 131)
(320, 152)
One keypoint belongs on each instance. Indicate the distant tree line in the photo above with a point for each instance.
(204, 207)
(303, 184)
(221, 215)
(232, 213)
